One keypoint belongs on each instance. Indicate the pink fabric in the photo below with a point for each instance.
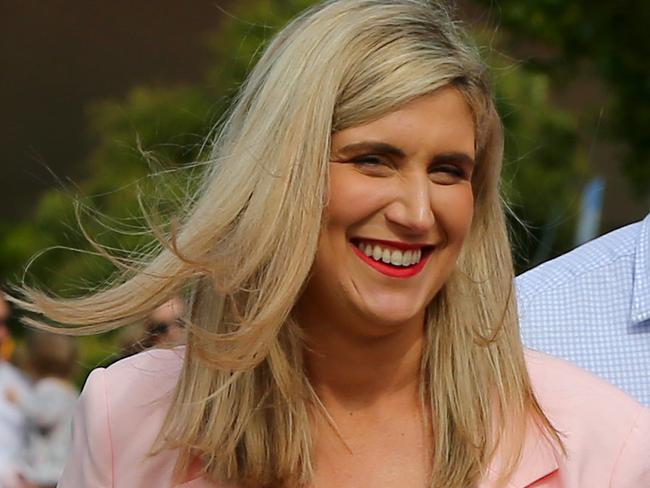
(121, 409)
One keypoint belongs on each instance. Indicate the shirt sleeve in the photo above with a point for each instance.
(90, 463)
(632, 469)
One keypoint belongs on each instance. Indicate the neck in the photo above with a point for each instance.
(357, 372)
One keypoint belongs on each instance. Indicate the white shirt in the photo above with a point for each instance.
(12, 420)
(48, 410)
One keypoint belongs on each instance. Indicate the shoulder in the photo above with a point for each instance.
(137, 386)
(149, 372)
(604, 431)
(138, 391)
(562, 386)
(117, 421)
(594, 257)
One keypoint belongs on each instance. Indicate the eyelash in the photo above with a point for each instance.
(454, 170)
(371, 160)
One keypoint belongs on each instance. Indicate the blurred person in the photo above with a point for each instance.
(7, 343)
(352, 317)
(129, 341)
(12, 420)
(164, 327)
(592, 307)
(48, 408)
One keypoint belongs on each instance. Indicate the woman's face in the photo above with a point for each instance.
(400, 206)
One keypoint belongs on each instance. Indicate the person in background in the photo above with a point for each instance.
(592, 306)
(164, 327)
(47, 408)
(12, 421)
(7, 344)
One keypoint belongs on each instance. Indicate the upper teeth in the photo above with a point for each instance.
(396, 257)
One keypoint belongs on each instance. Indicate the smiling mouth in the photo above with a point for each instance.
(396, 260)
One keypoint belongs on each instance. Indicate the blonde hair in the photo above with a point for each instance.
(245, 248)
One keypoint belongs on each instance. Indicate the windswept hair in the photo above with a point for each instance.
(246, 246)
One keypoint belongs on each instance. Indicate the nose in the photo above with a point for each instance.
(412, 209)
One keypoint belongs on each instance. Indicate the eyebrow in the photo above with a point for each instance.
(384, 148)
(454, 157)
(378, 147)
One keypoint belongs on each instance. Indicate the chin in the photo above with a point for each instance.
(392, 313)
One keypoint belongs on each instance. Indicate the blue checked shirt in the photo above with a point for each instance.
(592, 306)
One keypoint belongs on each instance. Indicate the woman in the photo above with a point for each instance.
(352, 320)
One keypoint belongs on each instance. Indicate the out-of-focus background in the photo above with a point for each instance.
(96, 96)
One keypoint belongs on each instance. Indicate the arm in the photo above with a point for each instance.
(632, 469)
(90, 463)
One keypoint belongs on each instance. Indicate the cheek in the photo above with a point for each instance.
(353, 198)
(456, 210)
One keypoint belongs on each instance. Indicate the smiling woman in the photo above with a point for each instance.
(402, 182)
(351, 312)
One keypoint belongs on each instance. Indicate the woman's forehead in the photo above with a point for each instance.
(441, 120)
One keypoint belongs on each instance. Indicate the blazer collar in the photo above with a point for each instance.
(641, 280)
(539, 459)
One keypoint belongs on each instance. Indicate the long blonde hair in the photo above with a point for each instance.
(245, 247)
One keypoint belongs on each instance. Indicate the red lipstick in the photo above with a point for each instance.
(389, 269)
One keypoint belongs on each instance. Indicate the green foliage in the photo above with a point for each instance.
(243, 37)
(171, 123)
(543, 165)
(609, 39)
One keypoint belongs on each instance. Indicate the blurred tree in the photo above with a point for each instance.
(543, 165)
(172, 122)
(609, 39)
(160, 131)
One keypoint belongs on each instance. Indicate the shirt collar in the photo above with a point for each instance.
(641, 286)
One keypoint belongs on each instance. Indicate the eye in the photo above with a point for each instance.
(448, 174)
(373, 164)
(369, 159)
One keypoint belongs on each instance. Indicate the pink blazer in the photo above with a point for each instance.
(606, 433)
